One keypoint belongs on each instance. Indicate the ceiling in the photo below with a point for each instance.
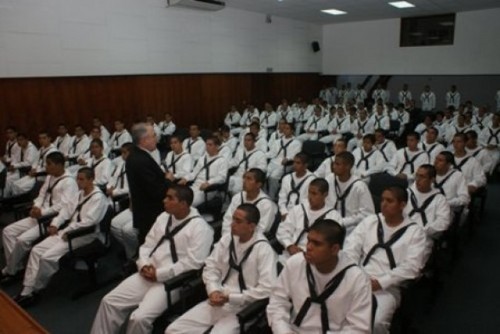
(357, 10)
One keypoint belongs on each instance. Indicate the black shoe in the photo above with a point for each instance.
(6, 279)
(27, 300)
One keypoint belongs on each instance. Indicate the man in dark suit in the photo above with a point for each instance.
(146, 179)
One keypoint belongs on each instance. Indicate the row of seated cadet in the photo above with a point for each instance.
(442, 190)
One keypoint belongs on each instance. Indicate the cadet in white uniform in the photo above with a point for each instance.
(390, 249)
(58, 195)
(490, 139)
(209, 170)
(468, 165)
(44, 257)
(232, 120)
(246, 158)
(99, 163)
(64, 140)
(313, 126)
(105, 135)
(430, 144)
(167, 126)
(26, 183)
(427, 206)
(179, 241)
(280, 155)
(360, 127)
(12, 148)
(240, 270)
(295, 185)
(229, 143)
(325, 168)
(368, 160)
(402, 116)
(119, 137)
(359, 94)
(269, 118)
(28, 157)
(337, 128)
(406, 161)
(293, 230)
(452, 97)
(79, 145)
(253, 181)
(322, 290)
(450, 182)
(404, 95)
(482, 155)
(348, 194)
(386, 146)
(178, 163)
(380, 120)
(428, 99)
(194, 145)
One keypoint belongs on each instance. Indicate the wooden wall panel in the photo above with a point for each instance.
(32, 104)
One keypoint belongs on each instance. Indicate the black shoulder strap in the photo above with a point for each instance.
(462, 163)
(295, 189)
(341, 198)
(439, 185)
(420, 209)
(51, 188)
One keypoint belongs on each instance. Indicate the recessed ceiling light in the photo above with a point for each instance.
(401, 4)
(334, 11)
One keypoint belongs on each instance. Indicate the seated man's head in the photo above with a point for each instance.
(324, 241)
(178, 200)
(393, 202)
(424, 178)
(317, 193)
(253, 180)
(54, 163)
(246, 217)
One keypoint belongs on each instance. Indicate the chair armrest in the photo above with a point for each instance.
(214, 187)
(120, 197)
(252, 310)
(73, 234)
(232, 170)
(181, 279)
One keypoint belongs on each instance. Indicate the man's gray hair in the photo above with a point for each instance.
(139, 131)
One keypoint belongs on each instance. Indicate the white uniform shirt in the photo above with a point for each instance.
(294, 190)
(452, 99)
(404, 160)
(39, 166)
(216, 167)
(437, 212)
(194, 147)
(63, 144)
(79, 146)
(180, 165)
(358, 203)
(27, 157)
(119, 138)
(483, 156)
(12, 151)
(315, 124)
(408, 251)
(362, 127)
(268, 119)
(404, 96)
(291, 230)
(381, 122)
(118, 179)
(349, 307)
(245, 160)
(453, 186)
(368, 163)
(259, 270)
(432, 149)
(102, 169)
(89, 211)
(325, 168)
(428, 100)
(228, 147)
(285, 148)
(267, 209)
(167, 128)
(58, 194)
(490, 136)
(192, 244)
(232, 119)
(470, 169)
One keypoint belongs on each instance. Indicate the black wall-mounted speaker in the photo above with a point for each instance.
(315, 46)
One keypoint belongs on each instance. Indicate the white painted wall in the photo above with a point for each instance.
(108, 37)
(372, 47)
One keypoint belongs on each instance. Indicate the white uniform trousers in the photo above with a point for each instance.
(9, 182)
(354, 143)
(23, 185)
(17, 241)
(199, 196)
(202, 316)
(387, 303)
(147, 299)
(330, 139)
(44, 259)
(123, 230)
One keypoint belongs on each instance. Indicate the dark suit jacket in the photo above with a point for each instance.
(148, 187)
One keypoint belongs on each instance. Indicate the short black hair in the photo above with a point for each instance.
(321, 184)
(127, 146)
(471, 134)
(183, 193)
(56, 158)
(214, 139)
(413, 134)
(399, 192)
(88, 172)
(303, 157)
(332, 231)
(225, 128)
(258, 175)
(429, 169)
(448, 156)
(370, 137)
(97, 141)
(347, 157)
(251, 135)
(252, 213)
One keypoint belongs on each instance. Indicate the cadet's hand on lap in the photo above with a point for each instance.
(293, 249)
(375, 285)
(52, 230)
